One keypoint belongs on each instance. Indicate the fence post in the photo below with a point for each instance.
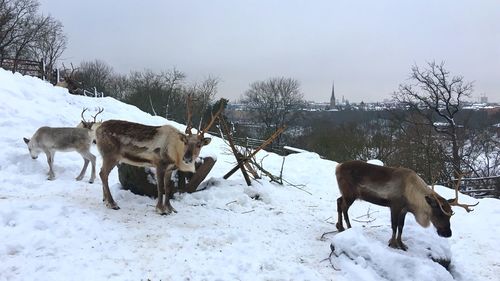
(42, 66)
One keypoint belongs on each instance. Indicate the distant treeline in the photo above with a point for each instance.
(384, 135)
(481, 118)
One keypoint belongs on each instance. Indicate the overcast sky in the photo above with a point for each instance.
(366, 47)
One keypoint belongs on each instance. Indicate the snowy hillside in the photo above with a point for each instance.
(61, 230)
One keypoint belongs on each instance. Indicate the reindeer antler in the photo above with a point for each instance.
(100, 110)
(454, 202)
(189, 115)
(434, 194)
(83, 111)
(212, 120)
(89, 124)
(85, 122)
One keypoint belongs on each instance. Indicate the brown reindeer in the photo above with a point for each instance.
(400, 189)
(162, 147)
(69, 81)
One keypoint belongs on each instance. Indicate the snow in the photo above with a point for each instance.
(375, 162)
(60, 230)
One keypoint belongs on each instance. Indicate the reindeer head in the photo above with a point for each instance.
(91, 123)
(33, 148)
(69, 81)
(194, 142)
(441, 214)
(441, 209)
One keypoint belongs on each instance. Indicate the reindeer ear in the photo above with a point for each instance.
(183, 138)
(26, 140)
(431, 201)
(206, 141)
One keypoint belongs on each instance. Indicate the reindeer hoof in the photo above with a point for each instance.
(50, 178)
(91, 181)
(79, 178)
(162, 211)
(397, 245)
(340, 227)
(112, 205)
(393, 243)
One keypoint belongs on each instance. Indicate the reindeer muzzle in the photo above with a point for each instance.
(188, 157)
(187, 160)
(444, 233)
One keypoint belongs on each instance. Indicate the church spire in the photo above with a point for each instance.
(332, 98)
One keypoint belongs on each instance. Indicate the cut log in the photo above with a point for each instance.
(142, 181)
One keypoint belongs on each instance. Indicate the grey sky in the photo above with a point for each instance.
(367, 47)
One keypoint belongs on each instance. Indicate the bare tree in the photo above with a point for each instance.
(173, 82)
(118, 86)
(14, 15)
(25, 34)
(96, 73)
(158, 93)
(482, 152)
(202, 94)
(437, 96)
(273, 102)
(50, 44)
(33, 27)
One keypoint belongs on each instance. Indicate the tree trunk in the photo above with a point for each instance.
(455, 154)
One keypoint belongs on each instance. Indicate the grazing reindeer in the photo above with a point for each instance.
(50, 140)
(162, 147)
(91, 125)
(400, 189)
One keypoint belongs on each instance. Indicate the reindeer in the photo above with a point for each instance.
(400, 189)
(50, 140)
(92, 125)
(162, 147)
(69, 81)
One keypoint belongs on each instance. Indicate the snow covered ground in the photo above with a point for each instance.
(61, 230)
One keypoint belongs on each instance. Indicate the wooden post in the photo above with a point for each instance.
(242, 160)
(42, 69)
(239, 157)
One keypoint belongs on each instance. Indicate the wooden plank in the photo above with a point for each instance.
(201, 173)
(236, 154)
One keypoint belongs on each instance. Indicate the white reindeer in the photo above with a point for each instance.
(50, 140)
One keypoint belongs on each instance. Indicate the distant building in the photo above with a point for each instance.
(483, 99)
(333, 104)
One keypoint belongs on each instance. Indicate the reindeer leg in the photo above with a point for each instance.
(107, 166)
(160, 177)
(168, 191)
(347, 202)
(88, 157)
(50, 161)
(92, 161)
(84, 168)
(401, 223)
(395, 215)
(339, 225)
